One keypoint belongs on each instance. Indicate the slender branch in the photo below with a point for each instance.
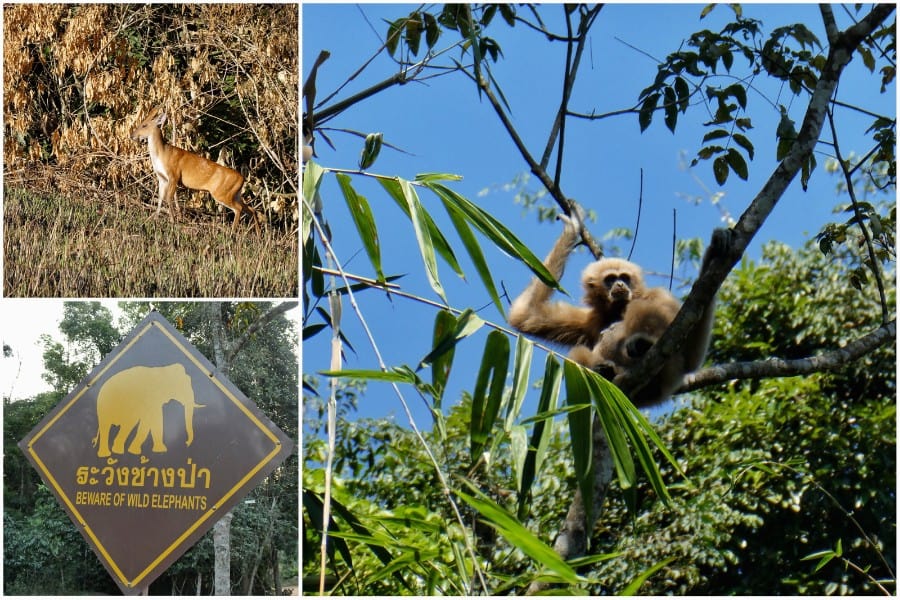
(566, 204)
(560, 124)
(867, 236)
(568, 82)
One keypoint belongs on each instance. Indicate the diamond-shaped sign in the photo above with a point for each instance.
(150, 450)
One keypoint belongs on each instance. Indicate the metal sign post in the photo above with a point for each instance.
(150, 450)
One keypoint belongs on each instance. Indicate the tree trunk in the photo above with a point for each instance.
(222, 529)
(276, 572)
(222, 547)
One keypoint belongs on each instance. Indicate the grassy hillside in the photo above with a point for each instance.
(74, 247)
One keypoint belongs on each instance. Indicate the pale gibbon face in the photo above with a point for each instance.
(612, 281)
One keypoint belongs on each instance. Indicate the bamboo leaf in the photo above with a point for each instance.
(613, 426)
(521, 372)
(444, 324)
(624, 412)
(405, 196)
(520, 537)
(394, 375)
(494, 230)
(488, 394)
(364, 220)
(541, 433)
(580, 425)
(463, 326)
(632, 588)
(312, 178)
(470, 242)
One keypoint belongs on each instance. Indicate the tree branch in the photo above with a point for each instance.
(708, 283)
(567, 205)
(256, 326)
(867, 236)
(776, 367)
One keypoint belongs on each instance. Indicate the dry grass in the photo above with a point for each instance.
(76, 247)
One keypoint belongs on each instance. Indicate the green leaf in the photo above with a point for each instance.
(413, 32)
(470, 243)
(452, 332)
(405, 196)
(720, 170)
(371, 150)
(645, 114)
(396, 375)
(806, 171)
(433, 177)
(684, 93)
(580, 432)
(432, 30)
(671, 108)
(715, 134)
(737, 163)
(521, 373)
(444, 326)
(739, 93)
(541, 433)
(395, 31)
(493, 229)
(519, 536)
(364, 221)
(601, 393)
(632, 588)
(635, 428)
(742, 141)
(488, 394)
(312, 178)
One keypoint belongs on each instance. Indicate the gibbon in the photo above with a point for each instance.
(624, 343)
(609, 285)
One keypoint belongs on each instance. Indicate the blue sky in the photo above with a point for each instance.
(442, 126)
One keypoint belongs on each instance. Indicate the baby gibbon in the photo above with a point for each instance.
(609, 285)
(624, 343)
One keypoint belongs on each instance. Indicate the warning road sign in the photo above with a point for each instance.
(150, 450)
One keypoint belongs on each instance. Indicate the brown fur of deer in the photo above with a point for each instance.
(174, 165)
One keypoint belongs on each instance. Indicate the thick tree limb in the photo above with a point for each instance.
(706, 286)
(777, 367)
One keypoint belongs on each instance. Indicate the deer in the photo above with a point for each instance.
(174, 165)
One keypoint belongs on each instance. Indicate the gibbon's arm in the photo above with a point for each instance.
(558, 322)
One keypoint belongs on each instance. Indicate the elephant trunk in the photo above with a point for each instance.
(189, 419)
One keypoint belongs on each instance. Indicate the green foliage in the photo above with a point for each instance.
(779, 468)
(45, 555)
(431, 242)
(776, 470)
(790, 53)
(468, 20)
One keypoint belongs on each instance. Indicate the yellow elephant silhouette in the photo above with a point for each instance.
(133, 399)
